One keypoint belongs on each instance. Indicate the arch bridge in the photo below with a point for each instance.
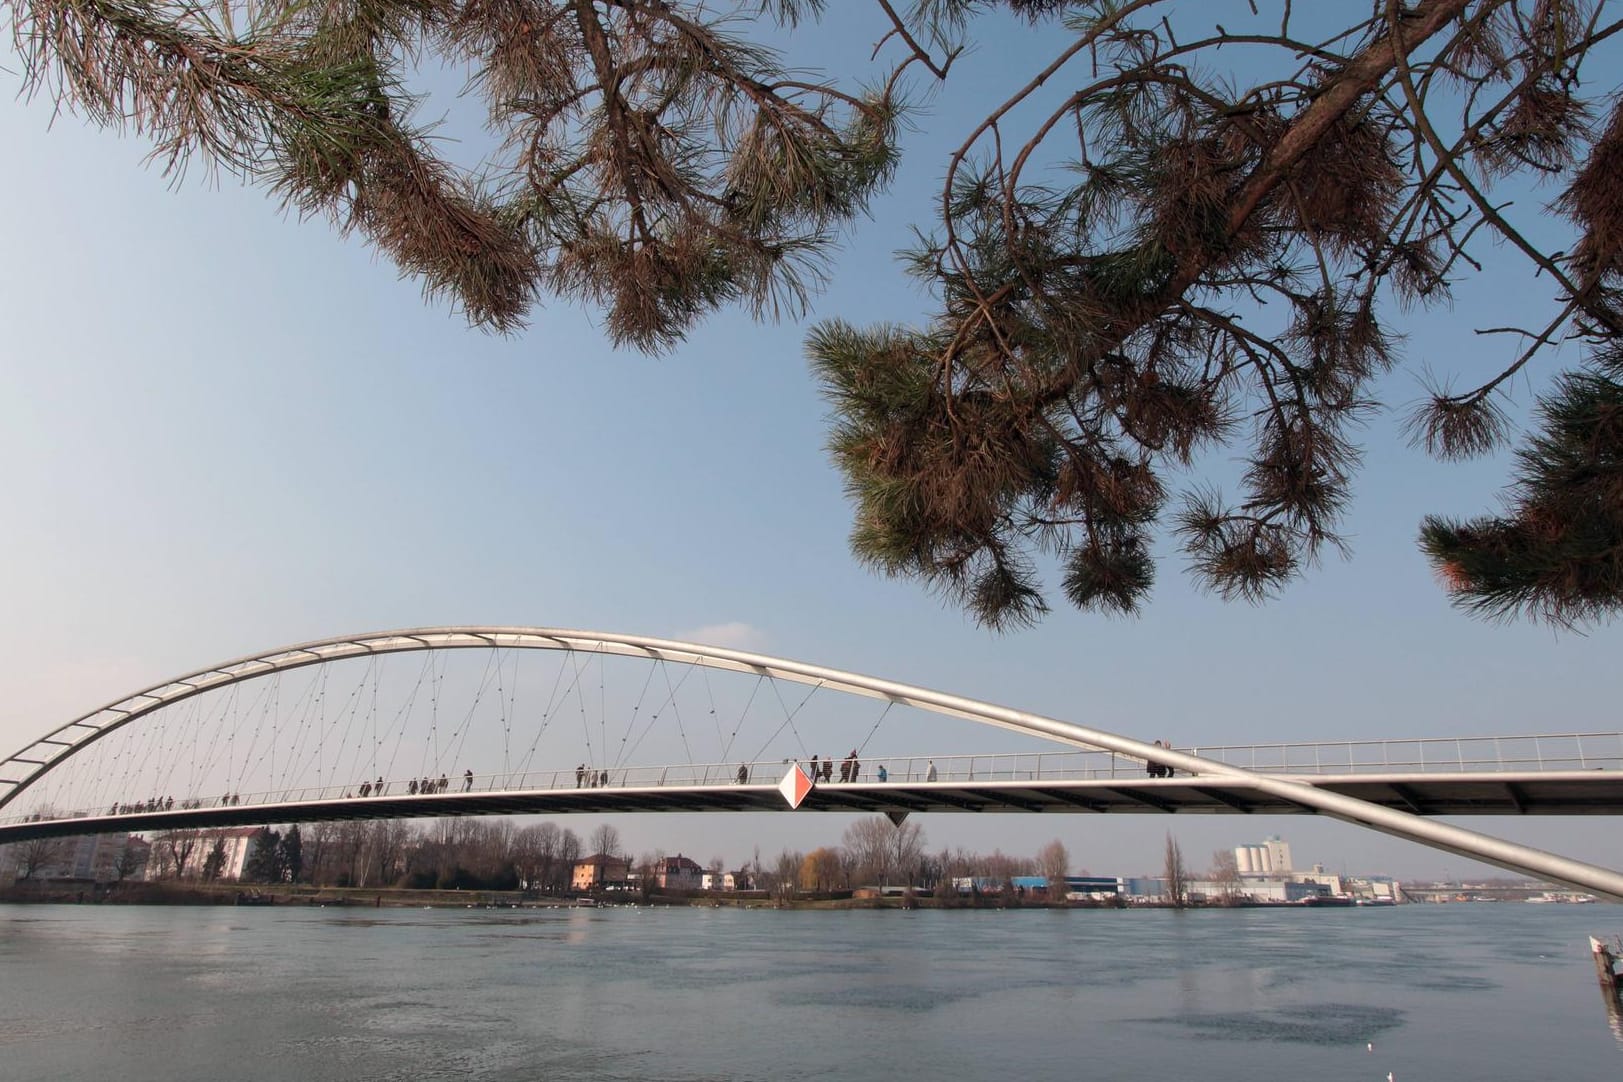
(393, 724)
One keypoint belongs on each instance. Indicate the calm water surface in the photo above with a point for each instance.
(1444, 992)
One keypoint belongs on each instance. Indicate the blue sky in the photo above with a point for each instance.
(222, 429)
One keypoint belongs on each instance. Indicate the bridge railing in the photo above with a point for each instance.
(1453, 755)
(1465, 754)
(1027, 766)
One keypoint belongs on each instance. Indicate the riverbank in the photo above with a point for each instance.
(218, 894)
(211, 894)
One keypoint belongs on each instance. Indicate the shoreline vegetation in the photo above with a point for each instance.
(304, 895)
(170, 892)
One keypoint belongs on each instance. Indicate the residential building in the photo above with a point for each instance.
(600, 871)
(679, 873)
(721, 881)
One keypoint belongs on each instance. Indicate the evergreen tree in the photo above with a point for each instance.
(1217, 271)
(214, 862)
(1556, 552)
(290, 855)
(1170, 257)
(656, 163)
(264, 863)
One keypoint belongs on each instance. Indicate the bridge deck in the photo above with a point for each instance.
(1591, 792)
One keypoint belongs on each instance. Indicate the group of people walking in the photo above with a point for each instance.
(850, 768)
(585, 778)
(166, 803)
(417, 786)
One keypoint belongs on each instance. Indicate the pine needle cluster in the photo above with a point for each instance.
(1556, 551)
(1158, 263)
(655, 163)
(1211, 271)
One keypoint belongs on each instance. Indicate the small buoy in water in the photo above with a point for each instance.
(1371, 1046)
(1389, 1077)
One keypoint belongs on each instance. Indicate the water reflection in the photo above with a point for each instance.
(1605, 955)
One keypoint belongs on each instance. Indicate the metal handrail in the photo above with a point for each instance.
(1583, 751)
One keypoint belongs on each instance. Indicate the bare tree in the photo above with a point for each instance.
(128, 863)
(1225, 874)
(351, 854)
(1177, 879)
(786, 872)
(1001, 866)
(568, 854)
(320, 841)
(385, 852)
(38, 854)
(1054, 864)
(175, 849)
(535, 852)
(649, 868)
(905, 852)
(867, 843)
(605, 839)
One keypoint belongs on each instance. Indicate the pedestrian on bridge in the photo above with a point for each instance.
(467, 781)
(929, 771)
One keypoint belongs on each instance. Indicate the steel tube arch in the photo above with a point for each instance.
(28, 765)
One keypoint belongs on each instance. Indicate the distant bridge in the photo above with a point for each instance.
(272, 758)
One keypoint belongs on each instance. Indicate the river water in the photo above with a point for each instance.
(1465, 991)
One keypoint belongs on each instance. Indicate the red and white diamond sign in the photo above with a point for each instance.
(795, 785)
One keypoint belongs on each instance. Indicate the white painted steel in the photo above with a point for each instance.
(29, 764)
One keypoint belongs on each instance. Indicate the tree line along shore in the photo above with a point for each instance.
(465, 861)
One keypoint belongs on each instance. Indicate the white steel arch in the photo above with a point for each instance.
(21, 769)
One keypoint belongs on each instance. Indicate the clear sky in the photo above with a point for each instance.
(222, 429)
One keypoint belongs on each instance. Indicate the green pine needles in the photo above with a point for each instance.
(1212, 273)
(1137, 259)
(1556, 552)
(654, 163)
